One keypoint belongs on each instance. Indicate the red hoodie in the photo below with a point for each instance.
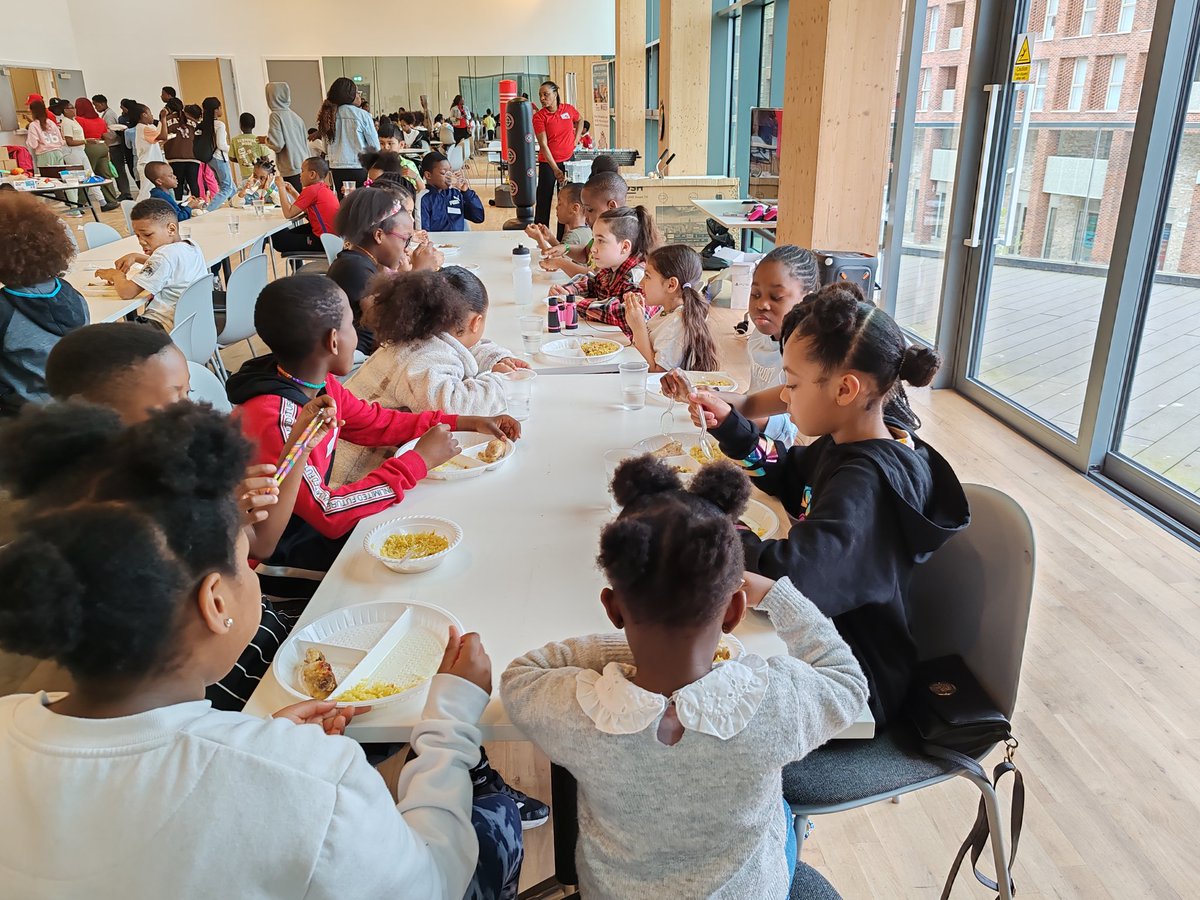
(268, 406)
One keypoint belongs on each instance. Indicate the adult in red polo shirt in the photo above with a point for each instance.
(557, 127)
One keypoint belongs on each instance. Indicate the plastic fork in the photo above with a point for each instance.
(705, 442)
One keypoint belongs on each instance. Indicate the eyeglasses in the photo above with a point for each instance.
(408, 241)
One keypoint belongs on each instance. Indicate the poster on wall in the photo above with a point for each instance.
(601, 104)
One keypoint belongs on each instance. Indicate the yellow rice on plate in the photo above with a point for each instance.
(375, 690)
(697, 453)
(599, 348)
(422, 544)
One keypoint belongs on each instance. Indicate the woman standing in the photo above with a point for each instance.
(45, 141)
(129, 116)
(180, 148)
(557, 126)
(348, 131)
(460, 119)
(76, 154)
(97, 134)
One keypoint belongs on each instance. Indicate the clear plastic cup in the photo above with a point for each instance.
(531, 333)
(258, 207)
(612, 459)
(633, 383)
(235, 224)
(518, 392)
(347, 187)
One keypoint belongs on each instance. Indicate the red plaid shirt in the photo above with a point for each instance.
(602, 294)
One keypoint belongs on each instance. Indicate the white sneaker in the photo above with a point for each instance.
(73, 214)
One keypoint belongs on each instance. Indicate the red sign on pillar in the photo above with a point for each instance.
(508, 90)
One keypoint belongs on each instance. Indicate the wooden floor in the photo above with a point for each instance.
(1039, 331)
(1109, 709)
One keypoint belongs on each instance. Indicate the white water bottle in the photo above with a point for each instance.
(522, 276)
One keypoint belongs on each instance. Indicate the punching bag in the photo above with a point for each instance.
(522, 161)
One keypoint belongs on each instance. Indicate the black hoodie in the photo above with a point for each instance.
(867, 513)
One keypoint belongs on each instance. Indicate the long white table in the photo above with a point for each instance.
(524, 573)
(210, 232)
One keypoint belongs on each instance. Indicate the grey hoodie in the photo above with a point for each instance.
(286, 134)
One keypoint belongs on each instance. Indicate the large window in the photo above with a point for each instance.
(1041, 74)
(933, 20)
(1087, 21)
(1116, 80)
(1050, 21)
(1125, 19)
(1078, 82)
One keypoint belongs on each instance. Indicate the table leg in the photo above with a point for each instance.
(91, 203)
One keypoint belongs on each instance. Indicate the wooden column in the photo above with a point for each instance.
(683, 76)
(837, 108)
(629, 101)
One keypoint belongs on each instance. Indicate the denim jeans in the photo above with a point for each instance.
(790, 848)
(220, 168)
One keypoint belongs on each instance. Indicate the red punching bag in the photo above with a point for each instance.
(521, 157)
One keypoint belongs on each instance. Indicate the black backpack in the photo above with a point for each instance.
(203, 145)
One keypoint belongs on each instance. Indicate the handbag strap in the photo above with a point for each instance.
(977, 837)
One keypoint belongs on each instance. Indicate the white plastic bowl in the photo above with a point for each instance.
(373, 542)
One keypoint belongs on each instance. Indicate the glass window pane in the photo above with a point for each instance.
(1064, 179)
(1161, 428)
(768, 40)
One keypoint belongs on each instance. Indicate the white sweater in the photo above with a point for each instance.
(437, 373)
(705, 817)
(189, 802)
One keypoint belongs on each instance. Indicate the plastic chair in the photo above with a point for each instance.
(807, 883)
(126, 207)
(207, 388)
(201, 346)
(181, 334)
(456, 156)
(972, 599)
(241, 294)
(333, 246)
(98, 234)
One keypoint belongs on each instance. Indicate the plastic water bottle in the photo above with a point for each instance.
(522, 276)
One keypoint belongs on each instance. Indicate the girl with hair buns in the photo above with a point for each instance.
(868, 498)
(679, 756)
(139, 585)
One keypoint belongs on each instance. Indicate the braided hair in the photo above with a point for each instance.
(660, 526)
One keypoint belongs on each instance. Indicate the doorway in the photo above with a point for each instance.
(303, 76)
(210, 77)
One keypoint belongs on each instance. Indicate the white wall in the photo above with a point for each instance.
(38, 35)
(123, 63)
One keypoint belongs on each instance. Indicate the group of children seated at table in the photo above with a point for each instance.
(140, 513)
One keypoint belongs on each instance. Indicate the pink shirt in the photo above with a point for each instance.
(43, 139)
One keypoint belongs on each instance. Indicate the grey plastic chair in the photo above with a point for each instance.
(126, 207)
(333, 245)
(181, 334)
(207, 388)
(201, 344)
(241, 294)
(98, 234)
(971, 599)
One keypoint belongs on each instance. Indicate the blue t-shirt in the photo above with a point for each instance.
(181, 212)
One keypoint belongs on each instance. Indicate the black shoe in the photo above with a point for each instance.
(109, 207)
(487, 780)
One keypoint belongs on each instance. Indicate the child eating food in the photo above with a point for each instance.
(869, 498)
(602, 192)
(307, 324)
(139, 586)
(679, 335)
(649, 715)
(622, 239)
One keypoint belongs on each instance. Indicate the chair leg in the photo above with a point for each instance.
(800, 825)
(995, 832)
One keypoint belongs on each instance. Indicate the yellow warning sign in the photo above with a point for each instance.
(1022, 64)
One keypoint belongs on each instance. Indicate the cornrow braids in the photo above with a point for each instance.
(799, 263)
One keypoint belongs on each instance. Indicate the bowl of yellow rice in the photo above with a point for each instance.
(413, 543)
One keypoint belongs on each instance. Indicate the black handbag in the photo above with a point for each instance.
(956, 721)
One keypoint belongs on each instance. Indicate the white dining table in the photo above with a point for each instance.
(524, 573)
(210, 232)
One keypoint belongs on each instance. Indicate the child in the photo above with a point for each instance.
(389, 137)
(149, 136)
(601, 193)
(260, 185)
(136, 371)
(286, 133)
(307, 324)
(316, 144)
(316, 201)
(164, 179)
(871, 500)
(651, 716)
(569, 212)
(432, 352)
(622, 239)
(448, 202)
(388, 162)
(36, 306)
(140, 587)
(679, 336)
(246, 148)
(585, 139)
(166, 267)
(489, 125)
(603, 163)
